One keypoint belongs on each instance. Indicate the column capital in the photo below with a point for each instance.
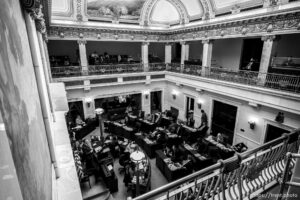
(81, 42)
(268, 38)
(145, 43)
(207, 41)
(183, 42)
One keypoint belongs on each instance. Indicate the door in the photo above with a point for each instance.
(190, 106)
(76, 108)
(156, 101)
(223, 120)
(252, 49)
(273, 132)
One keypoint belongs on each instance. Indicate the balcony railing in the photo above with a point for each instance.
(242, 177)
(68, 71)
(267, 80)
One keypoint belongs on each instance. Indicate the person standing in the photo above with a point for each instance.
(203, 117)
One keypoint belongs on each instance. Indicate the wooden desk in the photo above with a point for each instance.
(147, 145)
(171, 175)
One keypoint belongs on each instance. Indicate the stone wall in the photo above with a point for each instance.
(20, 106)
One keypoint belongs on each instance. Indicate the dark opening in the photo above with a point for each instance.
(156, 101)
(252, 48)
(75, 109)
(223, 120)
(273, 132)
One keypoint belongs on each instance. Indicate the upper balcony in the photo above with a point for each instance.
(279, 82)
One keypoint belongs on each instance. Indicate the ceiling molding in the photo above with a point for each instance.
(149, 5)
(268, 25)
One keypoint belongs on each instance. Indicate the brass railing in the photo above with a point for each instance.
(243, 176)
(267, 80)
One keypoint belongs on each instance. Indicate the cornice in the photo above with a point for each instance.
(259, 26)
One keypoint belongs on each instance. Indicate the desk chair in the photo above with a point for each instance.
(123, 161)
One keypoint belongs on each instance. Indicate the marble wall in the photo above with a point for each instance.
(20, 106)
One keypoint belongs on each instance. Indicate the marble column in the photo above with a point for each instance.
(183, 51)
(168, 53)
(187, 51)
(82, 55)
(206, 56)
(266, 57)
(145, 60)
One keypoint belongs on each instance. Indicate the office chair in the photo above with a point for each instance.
(123, 161)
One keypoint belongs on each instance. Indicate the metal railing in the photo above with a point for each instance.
(67, 71)
(114, 69)
(157, 67)
(266, 80)
(241, 177)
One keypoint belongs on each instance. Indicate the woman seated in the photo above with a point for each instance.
(79, 121)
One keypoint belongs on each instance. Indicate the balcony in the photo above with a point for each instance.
(274, 81)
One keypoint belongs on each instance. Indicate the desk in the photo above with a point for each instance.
(146, 126)
(121, 130)
(201, 161)
(171, 174)
(85, 130)
(149, 146)
(224, 152)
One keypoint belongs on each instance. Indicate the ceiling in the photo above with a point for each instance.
(148, 12)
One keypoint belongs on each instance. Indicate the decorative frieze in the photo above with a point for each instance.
(264, 25)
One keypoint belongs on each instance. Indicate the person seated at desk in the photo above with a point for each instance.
(220, 138)
(177, 154)
(129, 173)
(173, 126)
(128, 109)
(79, 121)
(161, 138)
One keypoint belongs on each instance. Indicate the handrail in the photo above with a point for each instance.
(272, 153)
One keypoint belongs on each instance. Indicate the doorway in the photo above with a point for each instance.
(75, 109)
(190, 106)
(223, 120)
(252, 49)
(156, 101)
(273, 132)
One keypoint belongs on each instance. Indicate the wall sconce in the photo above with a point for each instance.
(199, 103)
(174, 94)
(252, 124)
(88, 101)
(280, 117)
(146, 93)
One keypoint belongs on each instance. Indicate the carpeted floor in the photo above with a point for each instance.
(157, 180)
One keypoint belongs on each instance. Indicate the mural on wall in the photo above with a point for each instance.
(20, 106)
(115, 9)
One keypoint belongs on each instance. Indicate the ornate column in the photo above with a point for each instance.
(206, 56)
(145, 61)
(82, 55)
(168, 53)
(266, 56)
